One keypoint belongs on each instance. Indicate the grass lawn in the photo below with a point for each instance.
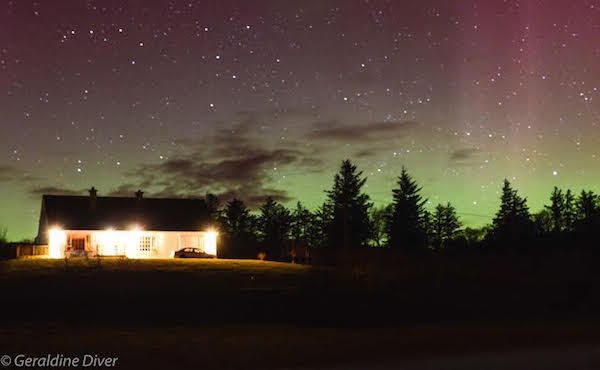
(113, 273)
(187, 290)
(255, 291)
(46, 266)
(253, 314)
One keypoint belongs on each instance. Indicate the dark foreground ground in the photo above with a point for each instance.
(443, 346)
(249, 314)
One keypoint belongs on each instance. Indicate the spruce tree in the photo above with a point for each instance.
(426, 224)
(570, 212)
(273, 227)
(405, 225)
(239, 230)
(445, 225)
(544, 222)
(587, 206)
(512, 223)
(236, 218)
(349, 225)
(557, 210)
(588, 212)
(319, 233)
(300, 224)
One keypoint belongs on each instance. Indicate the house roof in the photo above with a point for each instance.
(82, 213)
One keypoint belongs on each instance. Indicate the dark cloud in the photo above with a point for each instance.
(364, 153)
(54, 190)
(230, 140)
(230, 164)
(247, 127)
(376, 130)
(125, 190)
(464, 154)
(465, 157)
(10, 173)
(254, 200)
(244, 176)
(7, 173)
(311, 164)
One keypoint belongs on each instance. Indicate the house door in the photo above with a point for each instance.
(78, 244)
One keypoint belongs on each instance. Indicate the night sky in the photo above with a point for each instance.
(255, 98)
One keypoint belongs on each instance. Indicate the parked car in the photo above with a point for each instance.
(192, 253)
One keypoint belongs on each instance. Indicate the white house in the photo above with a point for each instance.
(135, 227)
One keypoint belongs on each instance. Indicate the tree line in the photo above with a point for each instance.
(349, 220)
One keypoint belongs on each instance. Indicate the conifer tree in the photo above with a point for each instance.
(588, 212)
(512, 223)
(239, 230)
(319, 233)
(557, 210)
(350, 207)
(405, 225)
(570, 213)
(273, 227)
(445, 225)
(587, 205)
(300, 224)
(543, 221)
(236, 218)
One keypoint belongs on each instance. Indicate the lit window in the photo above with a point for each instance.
(147, 244)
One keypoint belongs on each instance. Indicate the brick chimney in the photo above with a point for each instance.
(93, 198)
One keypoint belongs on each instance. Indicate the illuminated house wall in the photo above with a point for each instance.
(136, 227)
(131, 244)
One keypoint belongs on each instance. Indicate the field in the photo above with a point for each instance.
(196, 267)
(253, 314)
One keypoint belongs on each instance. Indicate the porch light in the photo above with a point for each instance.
(210, 242)
(132, 240)
(57, 239)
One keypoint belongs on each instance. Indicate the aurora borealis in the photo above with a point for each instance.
(256, 98)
